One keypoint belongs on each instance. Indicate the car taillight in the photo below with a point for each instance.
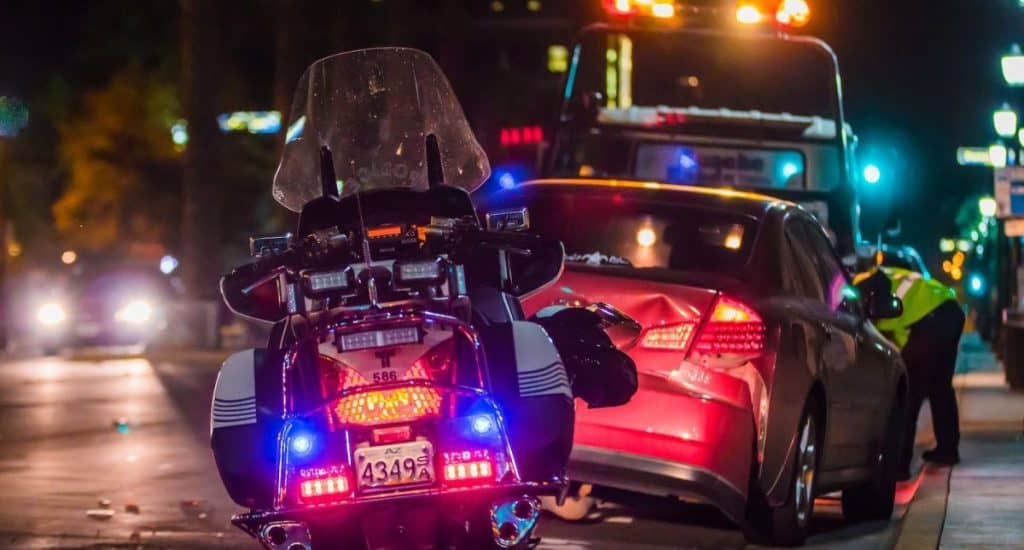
(323, 484)
(672, 337)
(731, 328)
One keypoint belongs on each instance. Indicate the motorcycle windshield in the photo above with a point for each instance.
(374, 110)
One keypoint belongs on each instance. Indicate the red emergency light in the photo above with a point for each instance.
(661, 9)
(784, 13)
(521, 135)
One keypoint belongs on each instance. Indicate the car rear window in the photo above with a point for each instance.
(615, 230)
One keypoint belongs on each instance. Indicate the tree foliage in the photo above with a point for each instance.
(124, 177)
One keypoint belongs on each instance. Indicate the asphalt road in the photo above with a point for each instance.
(113, 454)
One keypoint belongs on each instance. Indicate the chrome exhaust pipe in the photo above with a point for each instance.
(512, 521)
(285, 535)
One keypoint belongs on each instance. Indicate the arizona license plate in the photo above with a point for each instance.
(391, 465)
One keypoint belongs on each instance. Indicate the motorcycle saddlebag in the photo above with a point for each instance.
(243, 431)
(531, 385)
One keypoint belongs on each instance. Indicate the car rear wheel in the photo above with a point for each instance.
(874, 499)
(786, 525)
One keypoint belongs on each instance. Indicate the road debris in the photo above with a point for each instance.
(100, 513)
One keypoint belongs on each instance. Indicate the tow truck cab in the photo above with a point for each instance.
(718, 108)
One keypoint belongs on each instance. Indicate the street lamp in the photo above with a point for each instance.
(1005, 121)
(1013, 66)
(997, 155)
(987, 207)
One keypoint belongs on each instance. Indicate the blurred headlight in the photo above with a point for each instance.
(135, 312)
(51, 313)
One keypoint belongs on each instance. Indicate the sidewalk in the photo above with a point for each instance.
(980, 502)
(986, 491)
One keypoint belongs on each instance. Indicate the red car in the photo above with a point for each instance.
(762, 381)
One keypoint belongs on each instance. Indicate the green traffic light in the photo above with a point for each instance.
(872, 174)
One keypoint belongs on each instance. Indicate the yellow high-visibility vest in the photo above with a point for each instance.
(920, 296)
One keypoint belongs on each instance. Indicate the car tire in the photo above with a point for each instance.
(787, 525)
(875, 499)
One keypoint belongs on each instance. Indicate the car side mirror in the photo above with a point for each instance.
(883, 306)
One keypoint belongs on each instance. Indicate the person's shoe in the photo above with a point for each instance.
(938, 456)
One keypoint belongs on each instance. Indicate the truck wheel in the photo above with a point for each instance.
(874, 499)
(786, 525)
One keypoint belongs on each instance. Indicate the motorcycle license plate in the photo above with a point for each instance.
(393, 465)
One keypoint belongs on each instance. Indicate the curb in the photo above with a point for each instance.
(923, 523)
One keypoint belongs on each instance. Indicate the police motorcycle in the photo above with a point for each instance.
(403, 400)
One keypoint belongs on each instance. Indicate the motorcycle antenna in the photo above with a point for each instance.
(328, 180)
(371, 284)
(435, 171)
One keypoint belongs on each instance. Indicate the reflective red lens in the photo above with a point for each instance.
(398, 434)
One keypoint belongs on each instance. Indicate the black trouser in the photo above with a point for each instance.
(930, 356)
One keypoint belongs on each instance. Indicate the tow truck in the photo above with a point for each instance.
(711, 94)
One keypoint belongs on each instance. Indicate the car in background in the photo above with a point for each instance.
(112, 306)
(890, 255)
(763, 382)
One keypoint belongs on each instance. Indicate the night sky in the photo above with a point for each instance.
(920, 79)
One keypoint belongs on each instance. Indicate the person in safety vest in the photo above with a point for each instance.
(928, 334)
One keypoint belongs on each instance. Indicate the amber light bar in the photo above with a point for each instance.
(384, 232)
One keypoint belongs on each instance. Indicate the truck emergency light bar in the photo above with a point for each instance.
(781, 13)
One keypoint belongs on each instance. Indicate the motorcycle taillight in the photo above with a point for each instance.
(375, 407)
